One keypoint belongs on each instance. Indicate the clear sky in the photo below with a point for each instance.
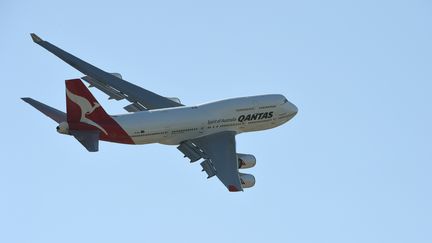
(354, 165)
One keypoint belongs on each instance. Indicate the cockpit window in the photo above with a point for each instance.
(285, 101)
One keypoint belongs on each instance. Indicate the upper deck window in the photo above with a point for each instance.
(245, 109)
(267, 107)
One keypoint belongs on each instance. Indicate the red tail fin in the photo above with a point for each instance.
(84, 113)
(80, 103)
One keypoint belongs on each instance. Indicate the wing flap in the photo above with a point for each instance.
(111, 92)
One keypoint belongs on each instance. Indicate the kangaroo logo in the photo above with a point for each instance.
(86, 109)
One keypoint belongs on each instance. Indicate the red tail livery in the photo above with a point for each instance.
(84, 113)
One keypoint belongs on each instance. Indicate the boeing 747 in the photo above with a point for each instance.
(203, 132)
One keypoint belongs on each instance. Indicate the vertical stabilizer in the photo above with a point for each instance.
(84, 113)
(81, 105)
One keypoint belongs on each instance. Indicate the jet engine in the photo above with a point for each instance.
(247, 180)
(63, 128)
(246, 161)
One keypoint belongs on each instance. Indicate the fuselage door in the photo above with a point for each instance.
(166, 132)
(256, 104)
(202, 127)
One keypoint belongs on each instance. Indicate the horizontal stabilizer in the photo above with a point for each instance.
(52, 113)
(89, 139)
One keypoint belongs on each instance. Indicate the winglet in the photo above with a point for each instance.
(35, 38)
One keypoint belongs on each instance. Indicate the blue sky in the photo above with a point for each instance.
(353, 166)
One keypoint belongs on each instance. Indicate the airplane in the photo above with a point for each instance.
(202, 132)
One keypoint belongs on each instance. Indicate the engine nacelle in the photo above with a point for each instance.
(247, 180)
(118, 75)
(175, 99)
(246, 161)
(63, 128)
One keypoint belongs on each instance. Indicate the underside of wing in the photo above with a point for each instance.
(113, 85)
(219, 152)
(136, 105)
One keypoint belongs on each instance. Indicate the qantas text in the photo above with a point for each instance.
(256, 116)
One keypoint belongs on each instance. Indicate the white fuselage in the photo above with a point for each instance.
(174, 125)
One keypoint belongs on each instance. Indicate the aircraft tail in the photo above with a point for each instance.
(83, 113)
(87, 120)
(89, 139)
(82, 106)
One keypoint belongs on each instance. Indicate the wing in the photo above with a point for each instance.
(219, 150)
(114, 86)
(52, 113)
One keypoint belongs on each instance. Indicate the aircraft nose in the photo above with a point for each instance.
(291, 108)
